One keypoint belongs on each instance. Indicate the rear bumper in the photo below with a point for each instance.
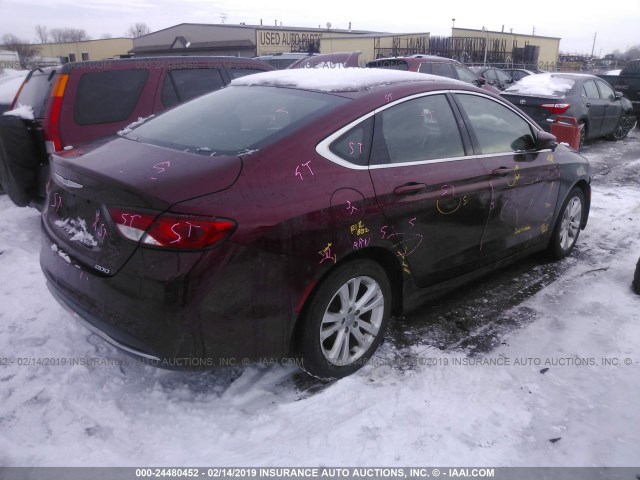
(229, 306)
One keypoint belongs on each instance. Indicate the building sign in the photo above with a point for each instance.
(286, 41)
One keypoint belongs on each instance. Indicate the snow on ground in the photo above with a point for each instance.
(416, 404)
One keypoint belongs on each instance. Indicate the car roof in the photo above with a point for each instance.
(418, 59)
(337, 80)
(173, 61)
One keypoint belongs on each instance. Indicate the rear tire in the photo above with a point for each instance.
(345, 321)
(567, 229)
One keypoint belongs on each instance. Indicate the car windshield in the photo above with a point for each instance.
(542, 84)
(235, 119)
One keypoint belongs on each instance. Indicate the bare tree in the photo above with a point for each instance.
(633, 53)
(42, 34)
(26, 51)
(137, 30)
(66, 35)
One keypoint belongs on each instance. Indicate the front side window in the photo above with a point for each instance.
(108, 96)
(606, 91)
(420, 129)
(497, 128)
(465, 74)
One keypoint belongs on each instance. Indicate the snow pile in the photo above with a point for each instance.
(129, 128)
(78, 231)
(23, 111)
(614, 72)
(546, 393)
(543, 84)
(10, 81)
(332, 80)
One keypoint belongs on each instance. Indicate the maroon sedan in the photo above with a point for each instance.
(295, 212)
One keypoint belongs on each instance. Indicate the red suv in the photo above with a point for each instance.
(81, 102)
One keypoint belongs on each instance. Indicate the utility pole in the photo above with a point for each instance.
(594, 43)
(486, 42)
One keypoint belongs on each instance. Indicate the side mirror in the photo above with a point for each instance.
(481, 82)
(618, 95)
(545, 140)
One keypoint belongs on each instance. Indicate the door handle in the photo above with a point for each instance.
(501, 172)
(587, 105)
(409, 188)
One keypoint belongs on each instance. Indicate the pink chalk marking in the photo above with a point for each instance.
(57, 201)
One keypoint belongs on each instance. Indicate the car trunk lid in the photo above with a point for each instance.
(88, 186)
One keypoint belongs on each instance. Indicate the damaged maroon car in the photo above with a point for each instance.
(294, 213)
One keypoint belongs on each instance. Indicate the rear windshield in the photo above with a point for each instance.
(235, 119)
(543, 84)
(35, 93)
(393, 64)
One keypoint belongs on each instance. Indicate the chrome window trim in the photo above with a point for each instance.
(323, 150)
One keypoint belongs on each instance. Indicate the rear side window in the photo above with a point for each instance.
(354, 145)
(590, 89)
(424, 68)
(182, 85)
(392, 64)
(108, 96)
(35, 93)
(443, 69)
(242, 72)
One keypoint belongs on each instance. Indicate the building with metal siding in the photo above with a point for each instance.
(236, 40)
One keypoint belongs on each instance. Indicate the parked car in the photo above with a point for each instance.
(628, 82)
(328, 60)
(494, 77)
(444, 67)
(282, 60)
(519, 73)
(599, 110)
(295, 212)
(80, 102)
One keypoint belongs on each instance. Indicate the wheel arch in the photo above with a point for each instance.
(379, 255)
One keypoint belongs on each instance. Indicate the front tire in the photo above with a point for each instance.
(345, 320)
(625, 125)
(565, 233)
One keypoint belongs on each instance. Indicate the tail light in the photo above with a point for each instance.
(52, 126)
(170, 230)
(556, 108)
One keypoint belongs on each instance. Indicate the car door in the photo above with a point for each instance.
(612, 108)
(434, 196)
(523, 181)
(595, 108)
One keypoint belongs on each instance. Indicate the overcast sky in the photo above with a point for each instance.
(616, 23)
